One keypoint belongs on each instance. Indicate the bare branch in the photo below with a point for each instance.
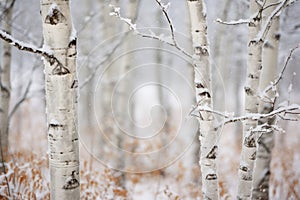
(25, 94)
(116, 13)
(164, 9)
(103, 61)
(275, 83)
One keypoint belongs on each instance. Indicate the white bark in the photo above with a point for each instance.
(265, 141)
(5, 85)
(61, 99)
(208, 135)
(254, 66)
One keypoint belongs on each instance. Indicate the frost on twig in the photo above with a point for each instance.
(133, 27)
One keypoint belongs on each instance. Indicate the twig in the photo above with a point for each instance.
(116, 13)
(164, 9)
(24, 96)
(279, 77)
(104, 60)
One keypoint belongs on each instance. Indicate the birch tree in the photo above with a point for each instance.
(61, 87)
(254, 66)
(208, 134)
(5, 85)
(265, 140)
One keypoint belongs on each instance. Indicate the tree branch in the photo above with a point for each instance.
(30, 48)
(116, 13)
(279, 77)
(264, 31)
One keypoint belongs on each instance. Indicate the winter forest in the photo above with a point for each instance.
(150, 99)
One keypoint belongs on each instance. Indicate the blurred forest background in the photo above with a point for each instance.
(137, 137)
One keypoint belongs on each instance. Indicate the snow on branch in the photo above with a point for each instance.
(173, 42)
(31, 48)
(293, 109)
(279, 77)
(237, 22)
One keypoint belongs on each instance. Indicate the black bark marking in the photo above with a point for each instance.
(213, 153)
(71, 182)
(249, 142)
(60, 70)
(244, 168)
(55, 17)
(245, 176)
(74, 84)
(199, 85)
(211, 177)
(204, 93)
(201, 50)
(55, 126)
(73, 43)
(277, 36)
(253, 156)
(248, 91)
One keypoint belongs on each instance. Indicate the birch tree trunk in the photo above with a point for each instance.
(265, 141)
(61, 99)
(208, 134)
(5, 87)
(254, 66)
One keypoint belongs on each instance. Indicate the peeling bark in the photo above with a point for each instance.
(61, 100)
(265, 141)
(208, 135)
(5, 85)
(254, 66)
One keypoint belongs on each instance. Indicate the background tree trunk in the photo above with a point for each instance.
(61, 99)
(254, 66)
(208, 134)
(265, 140)
(5, 85)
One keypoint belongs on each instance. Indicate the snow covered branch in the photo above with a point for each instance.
(293, 109)
(166, 40)
(31, 48)
(237, 22)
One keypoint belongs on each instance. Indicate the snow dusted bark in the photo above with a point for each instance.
(61, 99)
(254, 66)
(5, 86)
(208, 135)
(265, 141)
